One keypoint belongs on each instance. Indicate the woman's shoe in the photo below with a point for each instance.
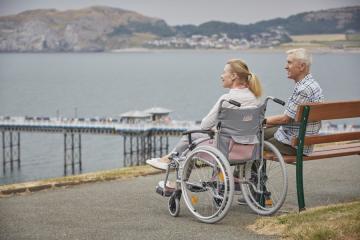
(241, 199)
(170, 186)
(165, 190)
(159, 163)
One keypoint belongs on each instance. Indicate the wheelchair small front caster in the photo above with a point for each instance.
(174, 204)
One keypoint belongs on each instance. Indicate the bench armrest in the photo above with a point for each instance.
(285, 125)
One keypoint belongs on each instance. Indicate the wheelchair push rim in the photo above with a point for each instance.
(207, 184)
(267, 190)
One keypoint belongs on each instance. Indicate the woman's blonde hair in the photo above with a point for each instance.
(240, 68)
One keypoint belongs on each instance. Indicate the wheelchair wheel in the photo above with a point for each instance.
(207, 184)
(174, 204)
(267, 184)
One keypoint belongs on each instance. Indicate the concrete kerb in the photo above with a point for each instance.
(67, 181)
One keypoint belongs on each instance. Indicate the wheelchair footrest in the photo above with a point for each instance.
(160, 190)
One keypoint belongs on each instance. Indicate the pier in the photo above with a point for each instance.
(141, 139)
(143, 135)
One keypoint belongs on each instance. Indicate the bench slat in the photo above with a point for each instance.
(330, 110)
(337, 146)
(336, 137)
(324, 152)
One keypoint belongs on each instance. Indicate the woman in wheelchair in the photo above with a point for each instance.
(232, 134)
(245, 88)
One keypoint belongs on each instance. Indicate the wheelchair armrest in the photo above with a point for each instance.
(209, 132)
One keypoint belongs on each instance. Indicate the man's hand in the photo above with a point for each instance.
(278, 120)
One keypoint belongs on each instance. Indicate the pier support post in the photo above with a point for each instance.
(149, 146)
(137, 150)
(129, 149)
(140, 146)
(72, 151)
(167, 144)
(164, 145)
(154, 145)
(10, 149)
(124, 150)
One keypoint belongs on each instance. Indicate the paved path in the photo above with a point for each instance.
(130, 209)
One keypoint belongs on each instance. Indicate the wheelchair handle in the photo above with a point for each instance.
(233, 102)
(279, 101)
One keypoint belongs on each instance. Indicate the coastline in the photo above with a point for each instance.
(280, 49)
(250, 50)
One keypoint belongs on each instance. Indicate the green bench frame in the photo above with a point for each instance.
(311, 112)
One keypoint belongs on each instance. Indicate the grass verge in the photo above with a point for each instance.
(120, 173)
(340, 221)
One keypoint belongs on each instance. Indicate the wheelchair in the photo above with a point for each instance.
(212, 169)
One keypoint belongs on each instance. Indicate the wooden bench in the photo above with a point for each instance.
(316, 112)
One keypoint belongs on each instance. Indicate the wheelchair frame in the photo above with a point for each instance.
(218, 190)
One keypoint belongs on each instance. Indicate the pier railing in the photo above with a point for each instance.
(141, 140)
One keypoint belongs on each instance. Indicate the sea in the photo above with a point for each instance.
(108, 84)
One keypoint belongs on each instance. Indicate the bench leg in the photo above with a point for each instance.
(299, 159)
(299, 183)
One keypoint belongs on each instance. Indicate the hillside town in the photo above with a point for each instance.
(266, 39)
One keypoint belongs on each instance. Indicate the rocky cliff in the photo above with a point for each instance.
(90, 29)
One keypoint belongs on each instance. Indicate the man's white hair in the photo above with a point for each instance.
(301, 54)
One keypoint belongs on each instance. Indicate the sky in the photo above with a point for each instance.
(179, 12)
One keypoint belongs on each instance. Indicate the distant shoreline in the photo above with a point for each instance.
(250, 50)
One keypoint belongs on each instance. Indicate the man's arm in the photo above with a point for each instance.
(278, 120)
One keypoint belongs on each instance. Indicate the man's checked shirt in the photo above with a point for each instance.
(306, 90)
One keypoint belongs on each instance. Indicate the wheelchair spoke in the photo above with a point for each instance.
(270, 182)
(205, 191)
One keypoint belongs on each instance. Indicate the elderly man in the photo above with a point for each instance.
(306, 90)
